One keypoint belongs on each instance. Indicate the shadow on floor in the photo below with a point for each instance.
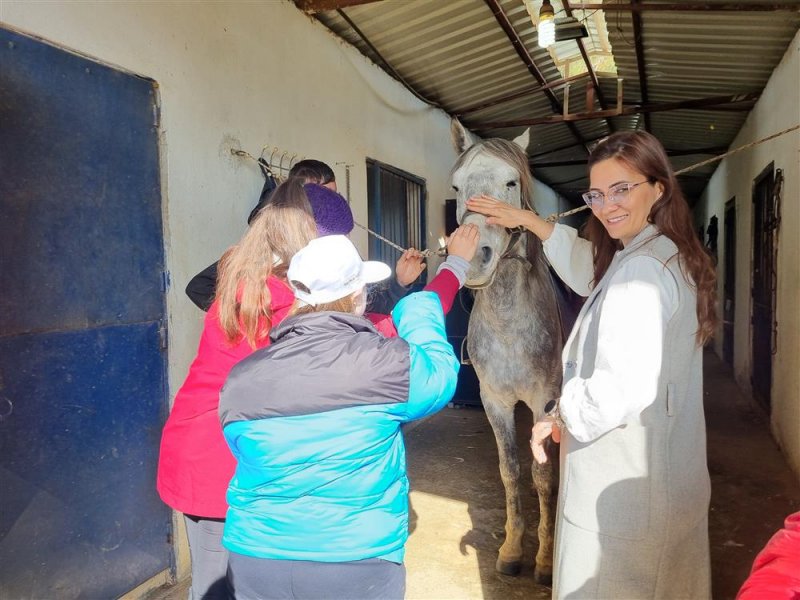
(459, 502)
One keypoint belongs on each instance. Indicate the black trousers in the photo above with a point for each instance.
(251, 578)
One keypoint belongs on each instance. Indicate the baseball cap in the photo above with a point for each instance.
(329, 268)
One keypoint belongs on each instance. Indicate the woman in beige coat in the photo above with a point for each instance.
(634, 491)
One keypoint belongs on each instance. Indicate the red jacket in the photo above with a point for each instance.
(776, 570)
(195, 465)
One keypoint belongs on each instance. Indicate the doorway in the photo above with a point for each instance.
(763, 286)
(729, 288)
(82, 326)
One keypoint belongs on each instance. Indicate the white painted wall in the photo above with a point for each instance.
(777, 109)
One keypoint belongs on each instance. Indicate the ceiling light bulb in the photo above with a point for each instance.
(547, 33)
(547, 25)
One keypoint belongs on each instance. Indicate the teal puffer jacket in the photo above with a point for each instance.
(314, 421)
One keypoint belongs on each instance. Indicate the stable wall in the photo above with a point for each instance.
(777, 109)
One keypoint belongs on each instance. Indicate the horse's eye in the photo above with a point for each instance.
(511, 184)
(455, 188)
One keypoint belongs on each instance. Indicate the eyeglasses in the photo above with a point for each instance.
(616, 194)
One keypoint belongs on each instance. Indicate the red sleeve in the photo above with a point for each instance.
(776, 569)
(383, 323)
(445, 285)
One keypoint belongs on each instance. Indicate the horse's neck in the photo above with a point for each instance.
(516, 291)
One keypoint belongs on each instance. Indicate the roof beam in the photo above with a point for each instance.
(520, 94)
(688, 6)
(695, 104)
(572, 163)
(505, 24)
(311, 7)
(590, 69)
(641, 66)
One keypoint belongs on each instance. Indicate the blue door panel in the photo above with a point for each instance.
(75, 502)
(78, 172)
(82, 368)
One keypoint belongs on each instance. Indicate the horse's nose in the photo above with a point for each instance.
(486, 254)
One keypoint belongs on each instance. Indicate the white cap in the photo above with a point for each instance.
(331, 268)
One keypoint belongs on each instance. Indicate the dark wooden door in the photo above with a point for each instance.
(729, 289)
(82, 341)
(763, 286)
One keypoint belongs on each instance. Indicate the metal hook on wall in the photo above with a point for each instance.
(280, 166)
(274, 150)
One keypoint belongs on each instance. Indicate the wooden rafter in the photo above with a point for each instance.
(696, 104)
(641, 66)
(573, 163)
(520, 94)
(316, 6)
(687, 6)
(505, 24)
(590, 70)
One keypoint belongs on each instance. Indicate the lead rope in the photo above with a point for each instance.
(555, 217)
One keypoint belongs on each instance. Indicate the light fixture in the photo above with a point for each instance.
(547, 25)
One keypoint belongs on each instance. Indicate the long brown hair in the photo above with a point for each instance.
(281, 228)
(643, 152)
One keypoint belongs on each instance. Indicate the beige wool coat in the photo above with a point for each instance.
(632, 516)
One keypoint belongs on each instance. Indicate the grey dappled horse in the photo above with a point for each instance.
(514, 338)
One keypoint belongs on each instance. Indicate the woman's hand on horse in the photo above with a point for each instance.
(463, 242)
(543, 429)
(409, 266)
(505, 215)
(497, 212)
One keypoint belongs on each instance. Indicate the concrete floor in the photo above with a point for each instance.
(457, 500)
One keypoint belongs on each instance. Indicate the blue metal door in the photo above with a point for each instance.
(82, 356)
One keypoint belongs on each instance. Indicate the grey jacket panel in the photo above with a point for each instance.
(612, 524)
(317, 363)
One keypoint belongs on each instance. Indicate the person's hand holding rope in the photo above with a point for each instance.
(409, 267)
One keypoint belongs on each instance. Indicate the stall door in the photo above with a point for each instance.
(82, 361)
(729, 290)
(763, 286)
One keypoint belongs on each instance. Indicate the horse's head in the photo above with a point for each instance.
(497, 168)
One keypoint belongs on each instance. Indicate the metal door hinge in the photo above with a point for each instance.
(165, 281)
(163, 337)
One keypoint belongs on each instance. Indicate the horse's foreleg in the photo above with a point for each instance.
(501, 418)
(545, 480)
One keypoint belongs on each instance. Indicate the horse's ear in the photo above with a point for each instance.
(462, 139)
(523, 139)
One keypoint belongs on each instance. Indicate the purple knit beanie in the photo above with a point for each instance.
(331, 212)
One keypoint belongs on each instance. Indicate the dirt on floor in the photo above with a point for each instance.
(458, 504)
(458, 499)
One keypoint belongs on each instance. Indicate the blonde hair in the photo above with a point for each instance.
(347, 304)
(281, 228)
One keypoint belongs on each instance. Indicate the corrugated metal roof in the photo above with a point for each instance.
(455, 54)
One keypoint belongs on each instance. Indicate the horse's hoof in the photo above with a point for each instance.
(508, 567)
(543, 576)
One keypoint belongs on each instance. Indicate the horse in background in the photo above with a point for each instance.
(515, 338)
